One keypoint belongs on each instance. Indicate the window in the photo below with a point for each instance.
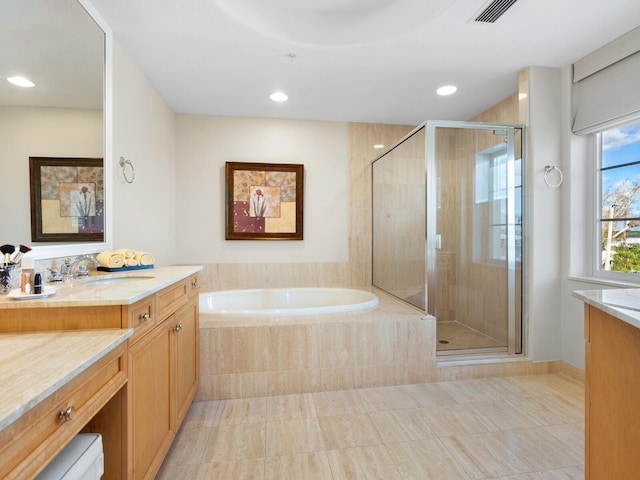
(619, 217)
(491, 191)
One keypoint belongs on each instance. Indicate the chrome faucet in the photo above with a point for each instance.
(80, 266)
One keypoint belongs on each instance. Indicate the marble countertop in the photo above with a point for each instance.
(621, 303)
(83, 292)
(35, 365)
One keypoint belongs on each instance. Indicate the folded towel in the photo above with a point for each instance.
(131, 262)
(126, 253)
(144, 258)
(110, 259)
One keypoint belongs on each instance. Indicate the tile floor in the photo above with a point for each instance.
(460, 337)
(524, 428)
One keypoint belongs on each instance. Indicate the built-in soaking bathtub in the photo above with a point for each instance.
(285, 302)
(286, 341)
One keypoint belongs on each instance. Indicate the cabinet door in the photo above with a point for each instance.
(185, 365)
(150, 401)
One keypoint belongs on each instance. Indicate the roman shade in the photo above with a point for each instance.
(606, 89)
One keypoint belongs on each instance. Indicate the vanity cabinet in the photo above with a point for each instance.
(156, 383)
(163, 375)
(612, 397)
(33, 440)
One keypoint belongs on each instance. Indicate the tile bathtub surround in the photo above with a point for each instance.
(518, 428)
(248, 357)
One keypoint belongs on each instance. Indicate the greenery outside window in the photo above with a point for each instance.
(619, 219)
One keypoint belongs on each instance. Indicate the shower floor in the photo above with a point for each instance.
(461, 337)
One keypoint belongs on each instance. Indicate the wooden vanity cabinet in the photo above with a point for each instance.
(612, 397)
(163, 376)
(32, 441)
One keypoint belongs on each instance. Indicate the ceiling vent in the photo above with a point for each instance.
(493, 11)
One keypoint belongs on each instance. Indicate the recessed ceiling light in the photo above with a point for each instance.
(21, 82)
(446, 90)
(279, 97)
(379, 145)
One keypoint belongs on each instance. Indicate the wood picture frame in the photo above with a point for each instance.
(67, 199)
(264, 201)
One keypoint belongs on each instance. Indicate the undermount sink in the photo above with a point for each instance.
(108, 280)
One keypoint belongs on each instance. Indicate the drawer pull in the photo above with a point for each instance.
(144, 316)
(177, 328)
(194, 284)
(66, 414)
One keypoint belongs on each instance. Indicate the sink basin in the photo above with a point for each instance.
(109, 280)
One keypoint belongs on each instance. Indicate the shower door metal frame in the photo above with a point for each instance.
(515, 340)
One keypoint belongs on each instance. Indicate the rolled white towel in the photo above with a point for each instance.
(131, 262)
(144, 258)
(126, 253)
(110, 259)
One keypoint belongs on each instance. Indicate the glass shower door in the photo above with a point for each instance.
(474, 235)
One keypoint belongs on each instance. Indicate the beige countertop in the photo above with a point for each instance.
(34, 365)
(621, 303)
(118, 291)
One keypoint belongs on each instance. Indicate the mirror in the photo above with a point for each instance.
(61, 48)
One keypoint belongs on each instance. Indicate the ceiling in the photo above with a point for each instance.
(376, 61)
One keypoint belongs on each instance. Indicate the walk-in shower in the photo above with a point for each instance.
(447, 231)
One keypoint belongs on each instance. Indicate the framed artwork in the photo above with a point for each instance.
(263, 201)
(67, 199)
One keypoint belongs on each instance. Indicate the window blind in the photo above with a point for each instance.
(606, 88)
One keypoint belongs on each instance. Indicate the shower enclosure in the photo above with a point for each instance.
(447, 231)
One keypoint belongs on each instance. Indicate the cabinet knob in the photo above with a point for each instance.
(144, 316)
(65, 414)
(194, 284)
(177, 328)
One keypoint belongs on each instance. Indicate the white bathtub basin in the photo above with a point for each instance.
(286, 301)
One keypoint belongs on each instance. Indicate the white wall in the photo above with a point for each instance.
(206, 143)
(38, 132)
(144, 132)
(544, 206)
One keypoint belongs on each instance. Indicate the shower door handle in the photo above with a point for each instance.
(438, 242)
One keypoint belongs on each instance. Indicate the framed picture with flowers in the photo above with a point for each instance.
(264, 201)
(67, 199)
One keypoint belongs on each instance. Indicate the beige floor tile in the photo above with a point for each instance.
(290, 407)
(289, 437)
(543, 448)
(384, 398)
(244, 410)
(456, 419)
(203, 414)
(370, 463)
(236, 470)
(348, 431)
(426, 394)
(306, 466)
(519, 428)
(425, 459)
(503, 415)
(571, 473)
(340, 402)
(482, 455)
(236, 442)
(552, 409)
(476, 390)
(401, 425)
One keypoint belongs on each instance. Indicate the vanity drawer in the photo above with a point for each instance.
(194, 285)
(141, 316)
(172, 298)
(32, 441)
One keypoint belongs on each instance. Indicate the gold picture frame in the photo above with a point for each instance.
(67, 199)
(264, 201)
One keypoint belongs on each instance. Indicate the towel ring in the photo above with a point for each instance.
(123, 164)
(547, 171)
